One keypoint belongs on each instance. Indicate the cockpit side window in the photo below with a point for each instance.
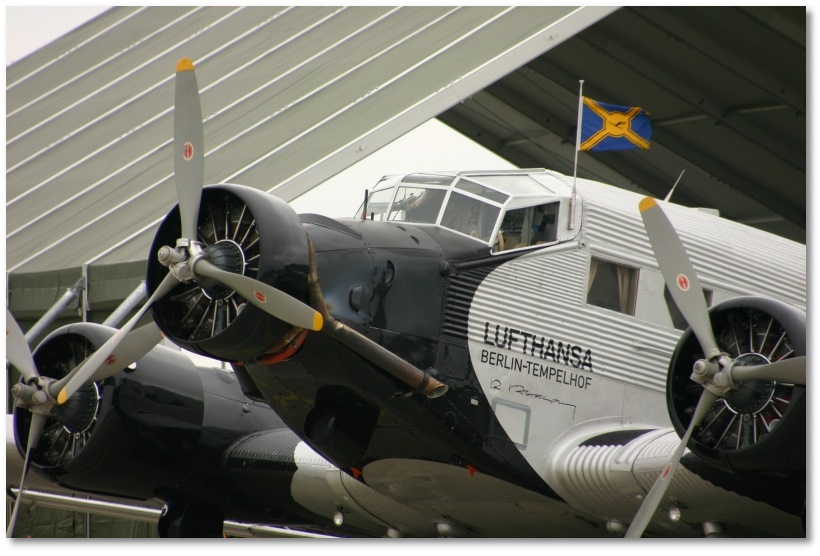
(528, 226)
(377, 204)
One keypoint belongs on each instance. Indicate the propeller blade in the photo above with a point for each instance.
(38, 422)
(679, 274)
(271, 300)
(17, 350)
(792, 370)
(133, 348)
(653, 499)
(109, 359)
(189, 147)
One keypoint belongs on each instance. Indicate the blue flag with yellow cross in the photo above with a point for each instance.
(607, 127)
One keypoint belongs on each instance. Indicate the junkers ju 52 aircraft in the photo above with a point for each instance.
(496, 354)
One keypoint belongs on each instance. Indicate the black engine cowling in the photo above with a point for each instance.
(159, 426)
(244, 231)
(760, 427)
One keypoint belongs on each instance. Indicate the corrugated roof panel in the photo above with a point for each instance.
(284, 91)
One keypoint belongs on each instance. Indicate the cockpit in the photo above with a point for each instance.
(506, 210)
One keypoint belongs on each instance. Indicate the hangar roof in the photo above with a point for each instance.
(292, 95)
(726, 92)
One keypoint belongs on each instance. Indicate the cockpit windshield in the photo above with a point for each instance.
(503, 219)
(469, 214)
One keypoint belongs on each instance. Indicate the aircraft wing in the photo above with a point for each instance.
(609, 472)
(43, 493)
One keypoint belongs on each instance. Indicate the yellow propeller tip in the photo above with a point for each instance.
(62, 397)
(318, 322)
(646, 204)
(185, 64)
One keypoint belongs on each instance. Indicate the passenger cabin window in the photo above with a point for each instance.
(528, 226)
(612, 286)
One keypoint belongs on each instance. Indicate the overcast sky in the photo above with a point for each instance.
(431, 147)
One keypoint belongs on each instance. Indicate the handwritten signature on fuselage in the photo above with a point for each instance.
(522, 391)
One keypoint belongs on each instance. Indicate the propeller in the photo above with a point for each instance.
(283, 306)
(19, 355)
(717, 372)
(189, 147)
(655, 495)
(17, 350)
(679, 274)
(119, 351)
(38, 421)
(38, 393)
(187, 261)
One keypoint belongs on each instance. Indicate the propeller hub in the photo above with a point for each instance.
(752, 395)
(226, 255)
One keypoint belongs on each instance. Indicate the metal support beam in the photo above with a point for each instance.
(128, 304)
(70, 295)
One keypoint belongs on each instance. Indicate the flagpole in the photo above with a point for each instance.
(577, 148)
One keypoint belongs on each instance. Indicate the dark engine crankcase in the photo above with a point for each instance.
(759, 428)
(159, 426)
(244, 231)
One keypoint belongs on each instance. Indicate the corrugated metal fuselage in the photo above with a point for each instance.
(528, 361)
